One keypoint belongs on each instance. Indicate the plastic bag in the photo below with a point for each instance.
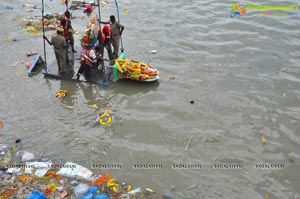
(3, 149)
(36, 195)
(73, 170)
(27, 156)
(101, 196)
(80, 190)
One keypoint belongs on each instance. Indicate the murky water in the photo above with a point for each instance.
(242, 74)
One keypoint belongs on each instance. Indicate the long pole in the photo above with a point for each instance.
(122, 49)
(46, 71)
(99, 15)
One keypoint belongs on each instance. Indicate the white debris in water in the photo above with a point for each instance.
(153, 51)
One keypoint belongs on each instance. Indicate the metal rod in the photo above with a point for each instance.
(99, 15)
(46, 71)
(122, 48)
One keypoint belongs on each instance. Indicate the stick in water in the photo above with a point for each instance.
(189, 142)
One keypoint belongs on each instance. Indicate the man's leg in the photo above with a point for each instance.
(109, 51)
(62, 60)
(71, 38)
(57, 60)
(117, 44)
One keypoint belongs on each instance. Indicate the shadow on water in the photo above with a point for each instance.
(129, 87)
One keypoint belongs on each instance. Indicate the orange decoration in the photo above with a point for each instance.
(241, 10)
(53, 174)
(99, 182)
(24, 178)
(106, 108)
(8, 193)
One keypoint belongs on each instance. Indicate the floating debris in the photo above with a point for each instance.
(31, 53)
(126, 11)
(263, 138)
(105, 117)
(153, 51)
(103, 3)
(35, 25)
(41, 178)
(7, 41)
(16, 63)
(266, 196)
(43, 83)
(21, 74)
(1, 125)
(188, 143)
(94, 106)
(61, 93)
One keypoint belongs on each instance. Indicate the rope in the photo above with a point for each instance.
(118, 14)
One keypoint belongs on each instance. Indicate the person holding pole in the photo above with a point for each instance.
(59, 44)
(116, 32)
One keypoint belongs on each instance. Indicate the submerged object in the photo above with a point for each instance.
(31, 66)
(234, 14)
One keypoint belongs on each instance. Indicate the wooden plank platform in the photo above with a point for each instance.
(53, 72)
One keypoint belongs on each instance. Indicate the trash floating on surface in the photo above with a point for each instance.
(94, 106)
(266, 196)
(43, 83)
(61, 93)
(126, 11)
(7, 41)
(105, 117)
(263, 138)
(34, 25)
(69, 180)
(1, 125)
(31, 53)
(16, 63)
(188, 143)
(153, 51)
(33, 6)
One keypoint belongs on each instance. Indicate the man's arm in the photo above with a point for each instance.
(103, 22)
(121, 27)
(47, 40)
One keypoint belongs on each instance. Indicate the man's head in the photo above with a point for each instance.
(97, 48)
(88, 10)
(63, 22)
(59, 30)
(112, 18)
(68, 14)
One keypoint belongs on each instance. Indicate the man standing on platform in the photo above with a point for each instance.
(59, 44)
(116, 32)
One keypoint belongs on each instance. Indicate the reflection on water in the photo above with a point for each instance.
(242, 75)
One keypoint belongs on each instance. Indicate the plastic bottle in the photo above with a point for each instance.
(80, 190)
(3, 149)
